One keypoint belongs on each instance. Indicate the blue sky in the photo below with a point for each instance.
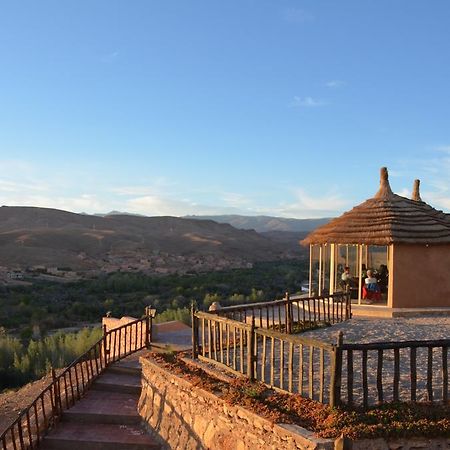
(286, 108)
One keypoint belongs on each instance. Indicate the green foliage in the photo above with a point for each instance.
(53, 306)
(181, 314)
(33, 311)
(20, 364)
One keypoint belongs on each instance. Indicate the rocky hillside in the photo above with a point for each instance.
(267, 223)
(32, 236)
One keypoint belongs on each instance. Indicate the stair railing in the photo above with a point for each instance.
(71, 384)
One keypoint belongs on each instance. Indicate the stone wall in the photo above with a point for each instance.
(182, 416)
(187, 417)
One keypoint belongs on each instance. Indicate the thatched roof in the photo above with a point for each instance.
(385, 219)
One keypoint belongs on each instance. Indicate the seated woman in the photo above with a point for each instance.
(371, 290)
(383, 278)
(348, 283)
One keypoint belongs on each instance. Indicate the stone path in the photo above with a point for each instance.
(173, 335)
(358, 330)
(107, 417)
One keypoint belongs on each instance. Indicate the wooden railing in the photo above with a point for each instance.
(268, 355)
(27, 431)
(283, 314)
(333, 373)
(395, 371)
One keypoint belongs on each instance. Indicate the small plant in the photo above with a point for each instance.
(391, 420)
(300, 327)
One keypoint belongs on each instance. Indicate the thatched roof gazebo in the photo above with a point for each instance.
(406, 238)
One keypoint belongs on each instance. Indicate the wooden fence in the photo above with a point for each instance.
(272, 357)
(380, 372)
(284, 314)
(27, 431)
(333, 373)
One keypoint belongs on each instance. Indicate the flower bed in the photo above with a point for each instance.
(390, 421)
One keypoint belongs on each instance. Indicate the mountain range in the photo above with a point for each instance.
(42, 236)
(263, 224)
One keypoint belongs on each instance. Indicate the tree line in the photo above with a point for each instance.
(32, 311)
(29, 315)
(21, 363)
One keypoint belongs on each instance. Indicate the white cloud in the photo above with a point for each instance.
(306, 206)
(109, 57)
(435, 177)
(404, 192)
(84, 203)
(132, 190)
(155, 205)
(333, 84)
(440, 200)
(306, 102)
(443, 149)
(234, 199)
(157, 185)
(14, 186)
(297, 15)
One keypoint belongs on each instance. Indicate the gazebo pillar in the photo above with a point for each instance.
(360, 254)
(332, 267)
(390, 258)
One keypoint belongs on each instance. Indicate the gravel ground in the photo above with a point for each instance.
(363, 330)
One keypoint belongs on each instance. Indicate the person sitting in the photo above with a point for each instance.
(363, 272)
(371, 290)
(215, 306)
(382, 278)
(348, 283)
(346, 277)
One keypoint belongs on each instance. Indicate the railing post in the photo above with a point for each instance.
(147, 327)
(348, 303)
(105, 350)
(288, 311)
(150, 333)
(56, 395)
(336, 372)
(251, 351)
(194, 325)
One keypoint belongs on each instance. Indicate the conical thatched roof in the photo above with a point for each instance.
(385, 219)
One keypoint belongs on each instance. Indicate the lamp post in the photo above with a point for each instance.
(150, 314)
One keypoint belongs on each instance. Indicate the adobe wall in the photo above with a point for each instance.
(113, 322)
(420, 276)
(117, 342)
(187, 417)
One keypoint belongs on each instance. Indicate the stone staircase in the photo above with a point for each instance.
(106, 418)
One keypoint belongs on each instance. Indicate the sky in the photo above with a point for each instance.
(286, 108)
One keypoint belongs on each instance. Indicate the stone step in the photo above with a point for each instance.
(131, 368)
(105, 407)
(118, 382)
(76, 436)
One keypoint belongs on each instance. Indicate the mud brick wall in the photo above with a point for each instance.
(119, 343)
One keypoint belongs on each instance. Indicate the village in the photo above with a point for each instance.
(159, 264)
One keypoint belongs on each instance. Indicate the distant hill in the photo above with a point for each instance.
(267, 223)
(33, 236)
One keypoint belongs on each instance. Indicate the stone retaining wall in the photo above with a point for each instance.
(186, 417)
